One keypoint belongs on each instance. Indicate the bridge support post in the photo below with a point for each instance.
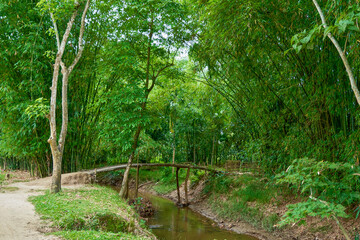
(186, 185)
(177, 185)
(137, 181)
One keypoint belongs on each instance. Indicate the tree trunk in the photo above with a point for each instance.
(57, 147)
(124, 184)
(56, 175)
(149, 85)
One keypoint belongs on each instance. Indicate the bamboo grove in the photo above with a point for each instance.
(200, 81)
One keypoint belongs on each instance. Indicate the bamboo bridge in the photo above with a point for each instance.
(151, 165)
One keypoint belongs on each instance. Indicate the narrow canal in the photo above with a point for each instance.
(172, 223)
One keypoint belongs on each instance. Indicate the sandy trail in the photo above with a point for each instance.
(18, 220)
(17, 215)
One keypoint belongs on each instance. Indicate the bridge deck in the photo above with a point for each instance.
(135, 165)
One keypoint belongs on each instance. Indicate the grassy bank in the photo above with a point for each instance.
(242, 198)
(89, 213)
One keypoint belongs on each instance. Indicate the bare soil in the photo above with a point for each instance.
(18, 220)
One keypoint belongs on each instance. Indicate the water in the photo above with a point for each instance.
(172, 223)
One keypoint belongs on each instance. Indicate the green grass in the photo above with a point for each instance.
(229, 197)
(2, 177)
(89, 235)
(167, 181)
(235, 209)
(255, 192)
(164, 187)
(88, 213)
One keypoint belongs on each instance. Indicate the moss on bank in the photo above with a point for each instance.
(92, 212)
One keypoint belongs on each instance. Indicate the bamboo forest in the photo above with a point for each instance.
(180, 119)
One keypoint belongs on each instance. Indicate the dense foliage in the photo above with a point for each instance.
(200, 81)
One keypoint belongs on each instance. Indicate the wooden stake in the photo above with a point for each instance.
(186, 184)
(177, 185)
(137, 181)
(95, 176)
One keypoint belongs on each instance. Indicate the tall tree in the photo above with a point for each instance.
(57, 145)
(147, 39)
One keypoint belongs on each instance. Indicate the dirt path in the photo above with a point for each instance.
(17, 215)
(18, 220)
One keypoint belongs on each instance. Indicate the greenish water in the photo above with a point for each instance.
(172, 223)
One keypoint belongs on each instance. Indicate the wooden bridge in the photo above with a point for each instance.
(149, 165)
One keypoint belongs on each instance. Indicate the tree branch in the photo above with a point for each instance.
(81, 35)
(56, 30)
(341, 53)
(155, 77)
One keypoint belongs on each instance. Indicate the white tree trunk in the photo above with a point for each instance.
(57, 148)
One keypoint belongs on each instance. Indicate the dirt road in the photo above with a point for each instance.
(18, 220)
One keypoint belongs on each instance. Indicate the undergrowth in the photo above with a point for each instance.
(89, 213)
(167, 179)
(230, 198)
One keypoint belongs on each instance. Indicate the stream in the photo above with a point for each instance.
(172, 223)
